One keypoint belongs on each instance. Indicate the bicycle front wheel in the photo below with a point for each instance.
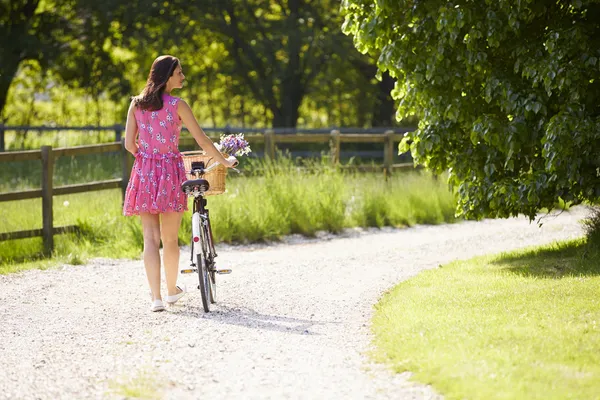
(210, 265)
(203, 275)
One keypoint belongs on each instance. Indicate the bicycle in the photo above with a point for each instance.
(203, 251)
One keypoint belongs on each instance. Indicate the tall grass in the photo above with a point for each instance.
(271, 199)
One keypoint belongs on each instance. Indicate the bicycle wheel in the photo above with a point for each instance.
(199, 248)
(210, 266)
(204, 281)
(213, 286)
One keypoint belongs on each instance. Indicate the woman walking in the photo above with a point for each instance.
(154, 122)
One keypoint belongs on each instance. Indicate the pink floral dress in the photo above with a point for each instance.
(158, 170)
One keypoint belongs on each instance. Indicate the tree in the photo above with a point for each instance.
(260, 62)
(28, 32)
(67, 37)
(279, 47)
(507, 94)
(75, 39)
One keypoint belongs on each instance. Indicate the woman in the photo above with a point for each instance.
(154, 191)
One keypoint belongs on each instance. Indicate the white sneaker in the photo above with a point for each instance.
(173, 299)
(157, 305)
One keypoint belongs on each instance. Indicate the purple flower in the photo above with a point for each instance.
(234, 145)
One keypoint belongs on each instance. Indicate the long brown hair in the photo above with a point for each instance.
(151, 96)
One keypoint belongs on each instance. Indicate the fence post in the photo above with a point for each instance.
(47, 176)
(118, 133)
(388, 151)
(126, 165)
(2, 145)
(270, 143)
(334, 145)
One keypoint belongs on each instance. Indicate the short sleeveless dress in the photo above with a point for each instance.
(158, 170)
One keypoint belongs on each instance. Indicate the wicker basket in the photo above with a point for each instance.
(215, 177)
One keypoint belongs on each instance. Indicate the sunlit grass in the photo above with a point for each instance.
(15, 176)
(271, 200)
(143, 385)
(524, 325)
(102, 231)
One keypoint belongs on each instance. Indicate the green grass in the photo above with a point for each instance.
(270, 200)
(524, 325)
(22, 175)
(102, 230)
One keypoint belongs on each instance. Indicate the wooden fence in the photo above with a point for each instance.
(119, 129)
(47, 155)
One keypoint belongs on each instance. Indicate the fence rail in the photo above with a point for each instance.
(269, 139)
(119, 129)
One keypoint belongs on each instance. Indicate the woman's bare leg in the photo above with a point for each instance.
(151, 229)
(170, 223)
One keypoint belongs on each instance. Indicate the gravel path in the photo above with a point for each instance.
(292, 320)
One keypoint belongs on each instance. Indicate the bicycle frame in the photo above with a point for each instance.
(200, 216)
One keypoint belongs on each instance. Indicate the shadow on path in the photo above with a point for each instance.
(249, 318)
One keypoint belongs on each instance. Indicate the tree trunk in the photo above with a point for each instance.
(242, 111)
(292, 85)
(13, 49)
(385, 107)
(8, 69)
(288, 114)
(211, 105)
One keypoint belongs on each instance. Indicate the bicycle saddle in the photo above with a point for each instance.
(191, 185)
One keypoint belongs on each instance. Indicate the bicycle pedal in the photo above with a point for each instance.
(223, 271)
(189, 270)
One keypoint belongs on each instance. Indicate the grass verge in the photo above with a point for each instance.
(523, 325)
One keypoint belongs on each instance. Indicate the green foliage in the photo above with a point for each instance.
(289, 46)
(524, 325)
(252, 63)
(507, 95)
(35, 98)
(67, 38)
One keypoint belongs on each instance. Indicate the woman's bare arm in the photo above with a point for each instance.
(187, 116)
(131, 131)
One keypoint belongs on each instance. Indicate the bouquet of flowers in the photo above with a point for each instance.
(234, 145)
